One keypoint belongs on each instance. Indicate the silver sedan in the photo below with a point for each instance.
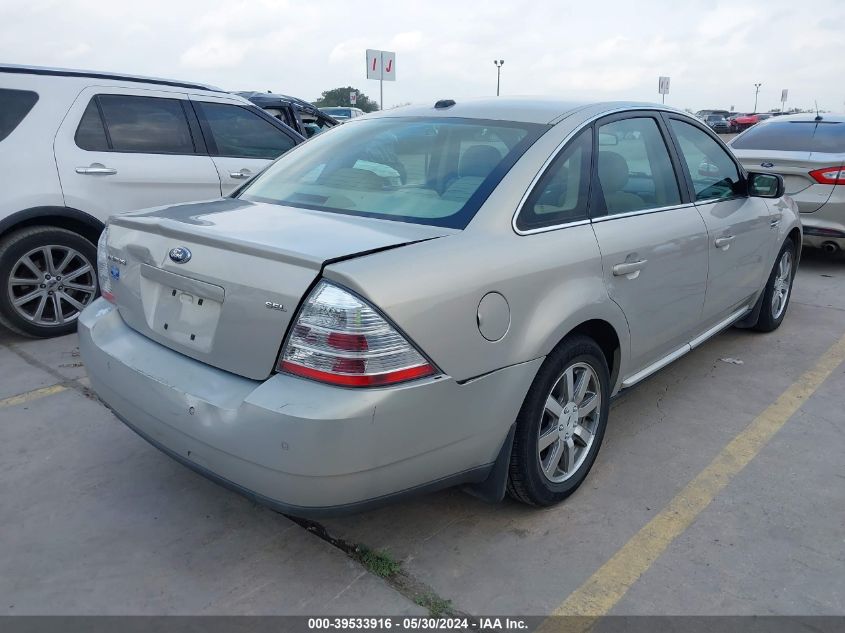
(433, 296)
(808, 150)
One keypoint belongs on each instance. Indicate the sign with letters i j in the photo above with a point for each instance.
(381, 65)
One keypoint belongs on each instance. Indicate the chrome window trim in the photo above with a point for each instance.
(559, 148)
(630, 214)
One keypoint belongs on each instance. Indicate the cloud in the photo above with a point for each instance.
(713, 52)
(215, 52)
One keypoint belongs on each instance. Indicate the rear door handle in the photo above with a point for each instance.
(243, 173)
(724, 242)
(629, 268)
(96, 169)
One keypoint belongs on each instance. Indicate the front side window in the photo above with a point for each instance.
(151, 125)
(634, 167)
(14, 106)
(714, 175)
(239, 133)
(429, 171)
(561, 194)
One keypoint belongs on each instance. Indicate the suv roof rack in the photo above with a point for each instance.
(67, 72)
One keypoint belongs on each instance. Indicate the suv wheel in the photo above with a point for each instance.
(47, 276)
(561, 424)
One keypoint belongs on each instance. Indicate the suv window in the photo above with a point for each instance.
(91, 134)
(14, 106)
(713, 173)
(237, 132)
(795, 136)
(634, 167)
(152, 125)
(562, 192)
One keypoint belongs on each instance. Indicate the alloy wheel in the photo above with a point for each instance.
(50, 285)
(782, 283)
(569, 422)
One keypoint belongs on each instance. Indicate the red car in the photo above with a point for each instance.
(742, 122)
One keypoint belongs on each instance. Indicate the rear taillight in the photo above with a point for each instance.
(103, 266)
(338, 338)
(829, 175)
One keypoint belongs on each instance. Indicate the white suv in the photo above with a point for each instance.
(78, 146)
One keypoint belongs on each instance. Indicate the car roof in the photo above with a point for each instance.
(96, 74)
(270, 99)
(523, 109)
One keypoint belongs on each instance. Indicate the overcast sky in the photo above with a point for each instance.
(605, 49)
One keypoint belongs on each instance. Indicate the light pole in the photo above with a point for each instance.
(756, 92)
(498, 63)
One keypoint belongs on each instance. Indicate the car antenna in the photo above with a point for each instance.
(818, 116)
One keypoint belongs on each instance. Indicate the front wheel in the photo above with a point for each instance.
(47, 277)
(778, 289)
(561, 424)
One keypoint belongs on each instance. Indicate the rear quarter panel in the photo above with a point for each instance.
(551, 281)
(28, 176)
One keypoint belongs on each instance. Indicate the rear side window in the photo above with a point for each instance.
(237, 132)
(714, 175)
(91, 135)
(151, 125)
(561, 194)
(795, 136)
(14, 106)
(634, 167)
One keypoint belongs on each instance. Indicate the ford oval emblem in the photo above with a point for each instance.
(767, 165)
(180, 255)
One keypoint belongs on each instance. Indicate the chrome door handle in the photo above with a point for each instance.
(243, 173)
(96, 169)
(774, 223)
(724, 242)
(628, 268)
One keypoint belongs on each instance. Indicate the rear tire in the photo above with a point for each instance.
(561, 424)
(47, 275)
(778, 290)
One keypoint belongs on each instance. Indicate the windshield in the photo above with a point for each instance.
(795, 136)
(429, 171)
(338, 113)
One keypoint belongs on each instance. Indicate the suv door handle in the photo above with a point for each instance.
(243, 173)
(628, 268)
(724, 242)
(96, 169)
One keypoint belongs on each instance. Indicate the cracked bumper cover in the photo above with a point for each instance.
(300, 446)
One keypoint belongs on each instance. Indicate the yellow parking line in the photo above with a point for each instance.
(606, 587)
(29, 396)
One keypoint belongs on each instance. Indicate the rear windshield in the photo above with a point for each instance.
(435, 171)
(795, 136)
(14, 106)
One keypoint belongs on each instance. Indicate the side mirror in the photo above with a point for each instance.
(765, 185)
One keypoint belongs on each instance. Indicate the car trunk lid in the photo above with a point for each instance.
(795, 167)
(245, 268)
